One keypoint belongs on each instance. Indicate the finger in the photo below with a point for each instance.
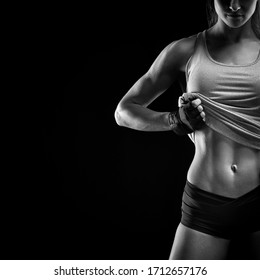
(195, 103)
(193, 109)
(203, 115)
(200, 108)
(198, 116)
(181, 101)
(189, 96)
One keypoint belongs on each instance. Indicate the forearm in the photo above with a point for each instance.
(142, 118)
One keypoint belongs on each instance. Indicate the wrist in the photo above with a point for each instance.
(176, 125)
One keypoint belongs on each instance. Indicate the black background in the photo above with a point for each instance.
(77, 185)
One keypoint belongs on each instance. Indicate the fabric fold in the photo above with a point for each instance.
(230, 94)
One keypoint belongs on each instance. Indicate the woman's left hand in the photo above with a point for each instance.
(193, 109)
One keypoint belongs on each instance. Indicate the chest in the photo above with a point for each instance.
(225, 84)
(234, 54)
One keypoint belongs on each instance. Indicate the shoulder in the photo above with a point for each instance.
(176, 54)
(183, 46)
(180, 51)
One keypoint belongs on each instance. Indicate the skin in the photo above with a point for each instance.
(231, 41)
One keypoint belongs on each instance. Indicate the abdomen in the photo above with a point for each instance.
(223, 166)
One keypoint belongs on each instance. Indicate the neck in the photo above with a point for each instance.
(220, 29)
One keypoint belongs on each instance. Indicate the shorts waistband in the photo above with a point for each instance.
(251, 194)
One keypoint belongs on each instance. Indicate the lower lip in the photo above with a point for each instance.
(235, 17)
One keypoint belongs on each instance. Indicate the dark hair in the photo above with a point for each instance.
(212, 16)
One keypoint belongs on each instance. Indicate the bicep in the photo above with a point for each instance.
(146, 90)
(163, 72)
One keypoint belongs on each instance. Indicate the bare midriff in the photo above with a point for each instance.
(222, 166)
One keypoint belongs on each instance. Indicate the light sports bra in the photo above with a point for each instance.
(230, 94)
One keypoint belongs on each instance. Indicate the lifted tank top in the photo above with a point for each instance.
(230, 94)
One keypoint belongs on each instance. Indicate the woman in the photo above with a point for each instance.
(220, 111)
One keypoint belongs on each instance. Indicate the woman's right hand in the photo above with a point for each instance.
(191, 110)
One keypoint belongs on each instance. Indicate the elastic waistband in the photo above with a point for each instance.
(253, 194)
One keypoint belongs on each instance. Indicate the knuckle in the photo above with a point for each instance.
(196, 102)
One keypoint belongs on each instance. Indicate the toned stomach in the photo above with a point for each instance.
(222, 166)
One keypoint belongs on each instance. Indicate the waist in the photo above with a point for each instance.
(223, 166)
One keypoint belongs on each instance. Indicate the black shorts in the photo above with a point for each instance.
(218, 215)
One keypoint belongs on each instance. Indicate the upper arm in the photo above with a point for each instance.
(162, 73)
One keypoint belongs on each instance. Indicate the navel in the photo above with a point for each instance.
(234, 168)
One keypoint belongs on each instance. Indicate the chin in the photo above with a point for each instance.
(233, 24)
